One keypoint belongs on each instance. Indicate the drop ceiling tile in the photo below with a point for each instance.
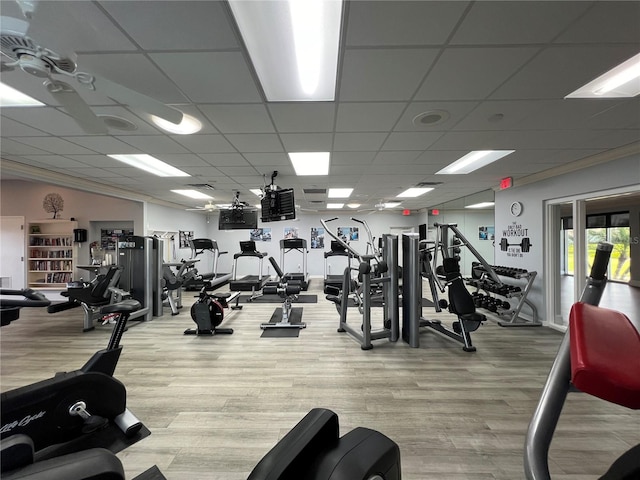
(414, 23)
(307, 117)
(499, 115)
(210, 172)
(55, 161)
(54, 145)
(472, 73)
(440, 158)
(559, 70)
(104, 144)
(410, 140)
(384, 74)
(352, 158)
(452, 113)
(471, 140)
(185, 25)
(605, 22)
(182, 159)
(250, 118)
(307, 142)
(204, 144)
(92, 161)
(71, 26)
(134, 71)
(261, 159)
(238, 171)
(46, 119)
(396, 157)
(368, 117)
(220, 76)
(224, 159)
(366, 142)
(152, 144)
(571, 114)
(513, 23)
(260, 142)
(340, 170)
(12, 128)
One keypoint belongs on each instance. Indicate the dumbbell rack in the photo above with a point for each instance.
(512, 315)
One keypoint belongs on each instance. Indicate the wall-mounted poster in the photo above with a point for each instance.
(260, 234)
(290, 232)
(185, 236)
(317, 237)
(349, 234)
(486, 232)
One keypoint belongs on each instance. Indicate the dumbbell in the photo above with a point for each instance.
(525, 244)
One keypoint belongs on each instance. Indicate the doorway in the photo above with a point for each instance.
(12, 253)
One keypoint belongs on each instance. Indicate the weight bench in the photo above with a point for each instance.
(288, 290)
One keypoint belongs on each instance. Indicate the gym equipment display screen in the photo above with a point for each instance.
(278, 205)
(238, 219)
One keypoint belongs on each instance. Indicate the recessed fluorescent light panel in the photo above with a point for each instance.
(193, 194)
(335, 205)
(150, 164)
(340, 192)
(481, 205)
(414, 192)
(256, 191)
(310, 163)
(187, 126)
(473, 161)
(620, 81)
(293, 46)
(391, 204)
(10, 97)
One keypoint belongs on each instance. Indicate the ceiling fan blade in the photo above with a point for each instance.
(130, 97)
(76, 107)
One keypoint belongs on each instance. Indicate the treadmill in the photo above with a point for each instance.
(212, 280)
(335, 281)
(299, 244)
(249, 283)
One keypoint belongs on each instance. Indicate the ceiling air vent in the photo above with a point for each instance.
(315, 190)
(428, 184)
(316, 201)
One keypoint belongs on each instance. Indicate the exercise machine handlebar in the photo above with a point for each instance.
(349, 249)
(31, 298)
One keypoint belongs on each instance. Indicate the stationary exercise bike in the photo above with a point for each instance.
(71, 411)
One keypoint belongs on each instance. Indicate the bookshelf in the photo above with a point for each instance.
(52, 256)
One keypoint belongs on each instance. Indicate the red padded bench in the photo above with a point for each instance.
(605, 354)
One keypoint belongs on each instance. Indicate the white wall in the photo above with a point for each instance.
(91, 210)
(379, 222)
(616, 174)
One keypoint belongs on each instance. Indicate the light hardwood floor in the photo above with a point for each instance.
(216, 405)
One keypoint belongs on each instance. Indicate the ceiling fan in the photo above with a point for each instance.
(25, 54)
(209, 207)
